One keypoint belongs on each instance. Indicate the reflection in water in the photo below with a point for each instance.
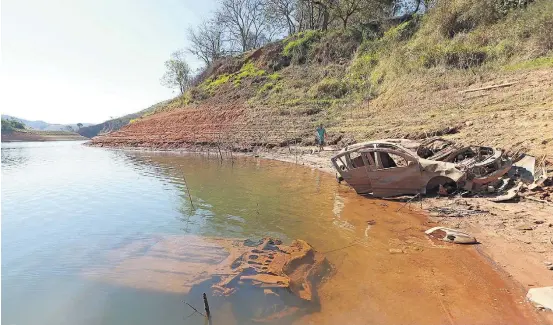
(13, 157)
(68, 209)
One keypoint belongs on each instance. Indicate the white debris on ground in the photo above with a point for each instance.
(542, 297)
(450, 235)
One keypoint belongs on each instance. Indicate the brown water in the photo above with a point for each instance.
(92, 236)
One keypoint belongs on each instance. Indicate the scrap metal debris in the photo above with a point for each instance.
(259, 279)
(455, 212)
(394, 167)
(285, 277)
(450, 235)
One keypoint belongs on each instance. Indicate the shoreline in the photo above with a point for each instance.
(38, 137)
(516, 254)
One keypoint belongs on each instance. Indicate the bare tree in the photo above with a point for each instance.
(207, 41)
(324, 12)
(282, 12)
(178, 72)
(409, 7)
(313, 14)
(246, 22)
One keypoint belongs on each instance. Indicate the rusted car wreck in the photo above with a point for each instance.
(393, 167)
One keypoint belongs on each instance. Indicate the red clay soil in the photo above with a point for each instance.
(232, 126)
(175, 129)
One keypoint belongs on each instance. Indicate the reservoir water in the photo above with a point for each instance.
(92, 236)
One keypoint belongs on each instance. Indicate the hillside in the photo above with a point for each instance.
(112, 125)
(44, 126)
(461, 70)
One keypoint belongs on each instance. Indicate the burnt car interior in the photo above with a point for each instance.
(373, 160)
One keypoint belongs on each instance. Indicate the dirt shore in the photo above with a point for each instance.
(516, 237)
(41, 136)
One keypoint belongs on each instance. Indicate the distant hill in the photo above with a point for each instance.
(115, 124)
(43, 126)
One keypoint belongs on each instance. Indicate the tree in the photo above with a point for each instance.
(246, 22)
(313, 14)
(344, 9)
(281, 12)
(207, 41)
(178, 72)
(79, 125)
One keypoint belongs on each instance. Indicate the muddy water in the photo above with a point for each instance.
(92, 236)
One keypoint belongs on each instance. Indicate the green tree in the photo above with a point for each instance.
(12, 125)
(178, 74)
(79, 125)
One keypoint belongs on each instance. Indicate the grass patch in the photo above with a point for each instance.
(248, 70)
(330, 88)
(543, 62)
(298, 45)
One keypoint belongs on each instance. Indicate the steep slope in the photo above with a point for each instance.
(455, 72)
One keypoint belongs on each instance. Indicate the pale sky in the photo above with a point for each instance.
(70, 61)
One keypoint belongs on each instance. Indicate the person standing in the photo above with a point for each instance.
(321, 135)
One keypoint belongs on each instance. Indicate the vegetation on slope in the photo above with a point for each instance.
(10, 125)
(326, 69)
(401, 77)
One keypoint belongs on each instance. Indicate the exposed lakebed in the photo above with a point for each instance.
(96, 236)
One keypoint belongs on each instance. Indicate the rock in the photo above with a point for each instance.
(541, 297)
(469, 123)
(547, 263)
(550, 267)
(395, 251)
(538, 222)
(525, 227)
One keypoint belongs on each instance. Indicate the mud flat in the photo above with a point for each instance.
(41, 136)
(515, 237)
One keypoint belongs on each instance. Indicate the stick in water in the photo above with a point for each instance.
(206, 305)
(188, 192)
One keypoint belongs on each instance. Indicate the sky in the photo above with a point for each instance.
(84, 61)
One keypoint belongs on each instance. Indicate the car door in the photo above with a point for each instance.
(354, 168)
(394, 173)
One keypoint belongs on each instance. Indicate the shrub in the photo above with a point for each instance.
(336, 46)
(198, 93)
(331, 87)
(450, 18)
(248, 70)
(458, 56)
(403, 31)
(297, 46)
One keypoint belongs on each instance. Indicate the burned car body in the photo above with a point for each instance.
(392, 167)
